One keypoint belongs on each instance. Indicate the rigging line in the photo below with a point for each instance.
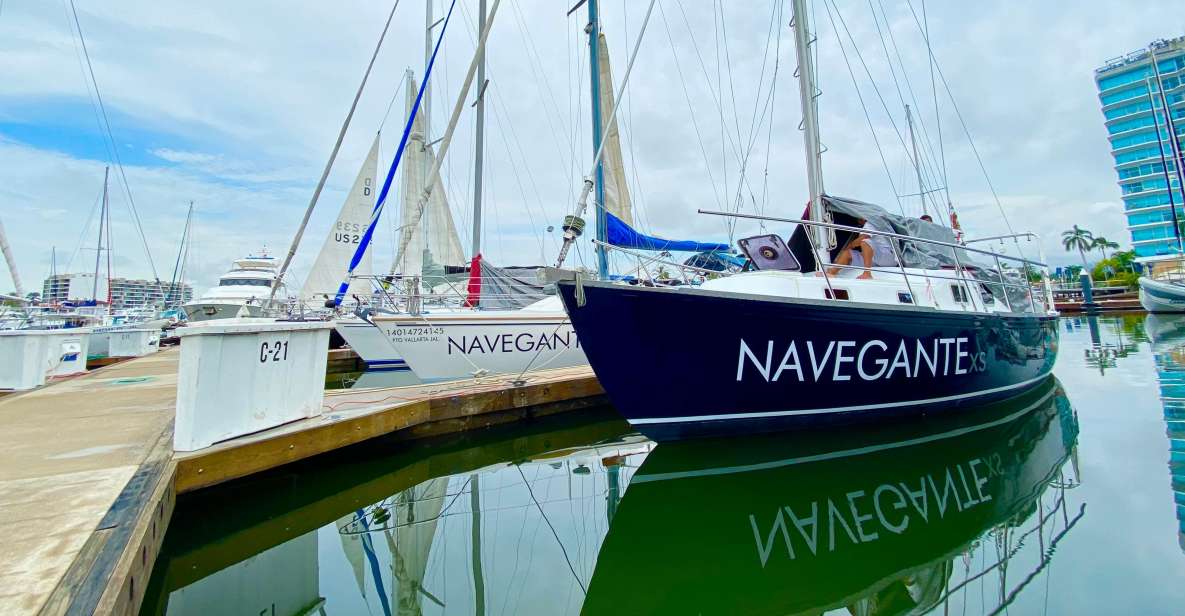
(937, 115)
(118, 163)
(769, 135)
(86, 81)
(553, 532)
(691, 109)
(501, 123)
(533, 54)
(728, 65)
(864, 107)
(756, 119)
(85, 229)
(707, 80)
(341, 135)
(391, 104)
(909, 85)
(720, 108)
(830, 4)
(963, 123)
(929, 162)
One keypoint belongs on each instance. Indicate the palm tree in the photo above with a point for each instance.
(1103, 244)
(1078, 239)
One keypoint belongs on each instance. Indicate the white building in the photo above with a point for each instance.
(125, 293)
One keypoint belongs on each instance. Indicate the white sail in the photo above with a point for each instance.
(344, 238)
(430, 240)
(416, 513)
(351, 542)
(617, 192)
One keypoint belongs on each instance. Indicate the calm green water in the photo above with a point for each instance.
(1063, 501)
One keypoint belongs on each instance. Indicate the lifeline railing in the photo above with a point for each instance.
(960, 269)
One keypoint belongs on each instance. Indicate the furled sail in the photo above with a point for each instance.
(343, 239)
(432, 243)
(620, 234)
(617, 192)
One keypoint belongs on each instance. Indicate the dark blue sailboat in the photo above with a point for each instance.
(802, 336)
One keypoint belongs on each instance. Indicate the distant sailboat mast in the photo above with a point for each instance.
(99, 241)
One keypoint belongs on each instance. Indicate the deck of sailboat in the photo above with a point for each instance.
(88, 476)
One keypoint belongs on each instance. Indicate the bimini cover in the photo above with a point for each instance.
(920, 255)
(620, 234)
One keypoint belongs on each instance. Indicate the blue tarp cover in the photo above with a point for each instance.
(620, 234)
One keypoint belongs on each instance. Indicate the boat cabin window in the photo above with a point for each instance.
(960, 293)
(839, 294)
(904, 298)
(244, 282)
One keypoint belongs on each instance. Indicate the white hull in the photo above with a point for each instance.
(1158, 296)
(370, 344)
(472, 343)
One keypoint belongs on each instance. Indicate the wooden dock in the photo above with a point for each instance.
(88, 476)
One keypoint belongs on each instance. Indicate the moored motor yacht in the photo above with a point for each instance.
(241, 292)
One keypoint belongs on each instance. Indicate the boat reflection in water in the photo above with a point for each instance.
(878, 523)
(555, 518)
(1167, 332)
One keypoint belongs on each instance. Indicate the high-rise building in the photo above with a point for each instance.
(1133, 90)
(125, 293)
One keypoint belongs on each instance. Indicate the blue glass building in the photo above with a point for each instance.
(1134, 115)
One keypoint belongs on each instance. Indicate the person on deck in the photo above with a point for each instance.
(872, 250)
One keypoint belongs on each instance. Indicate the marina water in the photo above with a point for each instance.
(1070, 499)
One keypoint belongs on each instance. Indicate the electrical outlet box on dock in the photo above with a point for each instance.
(239, 378)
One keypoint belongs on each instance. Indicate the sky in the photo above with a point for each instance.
(235, 106)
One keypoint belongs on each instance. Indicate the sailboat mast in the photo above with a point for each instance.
(425, 221)
(917, 162)
(479, 141)
(1164, 167)
(594, 34)
(7, 250)
(803, 39)
(99, 242)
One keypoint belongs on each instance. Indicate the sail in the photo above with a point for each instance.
(431, 241)
(343, 239)
(617, 192)
(416, 513)
(352, 547)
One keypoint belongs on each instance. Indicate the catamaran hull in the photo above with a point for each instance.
(211, 311)
(1156, 296)
(438, 349)
(371, 344)
(688, 363)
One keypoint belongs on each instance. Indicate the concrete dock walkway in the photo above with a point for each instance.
(88, 476)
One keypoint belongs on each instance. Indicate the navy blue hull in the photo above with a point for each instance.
(688, 363)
